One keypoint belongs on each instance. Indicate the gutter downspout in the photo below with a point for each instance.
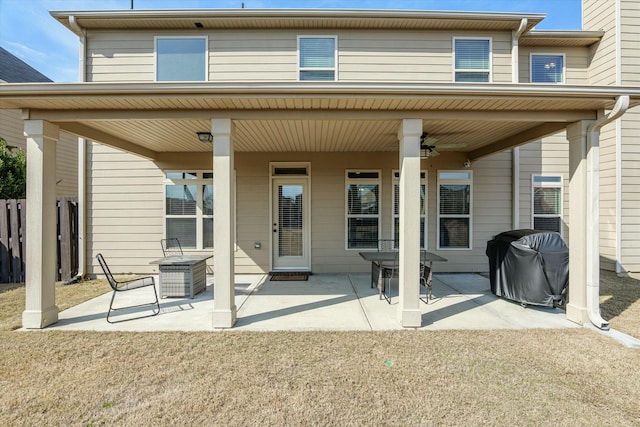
(593, 210)
(82, 160)
(515, 168)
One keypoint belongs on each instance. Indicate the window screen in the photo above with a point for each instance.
(317, 58)
(454, 210)
(547, 68)
(189, 208)
(472, 60)
(547, 203)
(363, 209)
(181, 59)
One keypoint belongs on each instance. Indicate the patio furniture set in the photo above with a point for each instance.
(179, 276)
(385, 269)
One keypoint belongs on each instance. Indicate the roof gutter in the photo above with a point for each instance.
(593, 210)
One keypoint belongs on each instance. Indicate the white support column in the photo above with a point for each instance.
(40, 308)
(409, 309)
(224, 306)
(578, 227)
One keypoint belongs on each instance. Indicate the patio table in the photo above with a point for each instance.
(383, 259)
(182, 275)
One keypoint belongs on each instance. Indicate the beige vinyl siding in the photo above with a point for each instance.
(126, 197)
(253, 56)
(608, 196)
(12, 130)
(630, 43)
(549, 156)
(630, 215)
(124, 210)
(492, 211)
(601, 15)
(576, 63)
(120, 56)
(272, 55)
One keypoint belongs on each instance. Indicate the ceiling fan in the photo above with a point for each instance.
(428, 145)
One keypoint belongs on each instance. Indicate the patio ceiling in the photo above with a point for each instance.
(154, 118)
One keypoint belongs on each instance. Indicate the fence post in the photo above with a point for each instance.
(4, 242)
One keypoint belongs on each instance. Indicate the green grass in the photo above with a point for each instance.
(569, 377)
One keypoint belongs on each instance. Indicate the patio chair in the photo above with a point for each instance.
(171, 247)
(425, 276)
(390, 280)
(384, 245)
(129, 285)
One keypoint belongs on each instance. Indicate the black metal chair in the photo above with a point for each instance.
(425, 276)
(384, 245)
(171, 246)
(129, 285)
(390, 280)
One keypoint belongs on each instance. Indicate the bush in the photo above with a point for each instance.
(13, 170)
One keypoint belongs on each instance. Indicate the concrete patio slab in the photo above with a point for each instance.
(324, 302)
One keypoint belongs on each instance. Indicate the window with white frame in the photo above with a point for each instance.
(181, 59)
(317, 58)
(363, 209)
(472, 60)
(547, 68)
(423, 208)
(454, 209)
(189, 208)
(546, 211)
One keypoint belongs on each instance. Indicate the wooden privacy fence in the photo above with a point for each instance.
(13, 224)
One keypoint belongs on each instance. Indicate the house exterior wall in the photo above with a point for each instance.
(126, 207)
(629, 128)
(12, 130)
(616, 60)
(576, 63)
(272, 55)
(549, 156)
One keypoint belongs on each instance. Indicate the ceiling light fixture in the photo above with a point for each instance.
(205, 137)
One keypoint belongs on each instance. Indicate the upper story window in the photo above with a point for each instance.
(547, 202)
(454, 209)
(472, 59)
(547, 68)
(317, 58)
(182, 59)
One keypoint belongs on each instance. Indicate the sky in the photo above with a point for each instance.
(28, 31)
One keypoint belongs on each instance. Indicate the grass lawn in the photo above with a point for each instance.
(567, 377)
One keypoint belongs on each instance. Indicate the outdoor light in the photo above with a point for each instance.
(205, 136)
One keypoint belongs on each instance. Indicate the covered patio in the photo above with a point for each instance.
(157, 121)
(338, 302)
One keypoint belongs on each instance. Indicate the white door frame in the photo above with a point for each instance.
(303, 264)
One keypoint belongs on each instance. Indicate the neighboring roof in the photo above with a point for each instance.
(14, 70)
(186, 19)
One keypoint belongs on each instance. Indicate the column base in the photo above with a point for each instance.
(577, 314)
(224, 319)
(411, 318)
(38, 319)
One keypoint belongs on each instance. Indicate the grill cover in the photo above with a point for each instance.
(529, 266)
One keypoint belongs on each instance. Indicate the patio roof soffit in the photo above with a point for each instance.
(93, 134)
(336, 96)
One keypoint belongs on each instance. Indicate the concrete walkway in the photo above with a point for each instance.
(324, 302)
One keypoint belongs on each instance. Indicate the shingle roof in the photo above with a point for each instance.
(14, 70)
